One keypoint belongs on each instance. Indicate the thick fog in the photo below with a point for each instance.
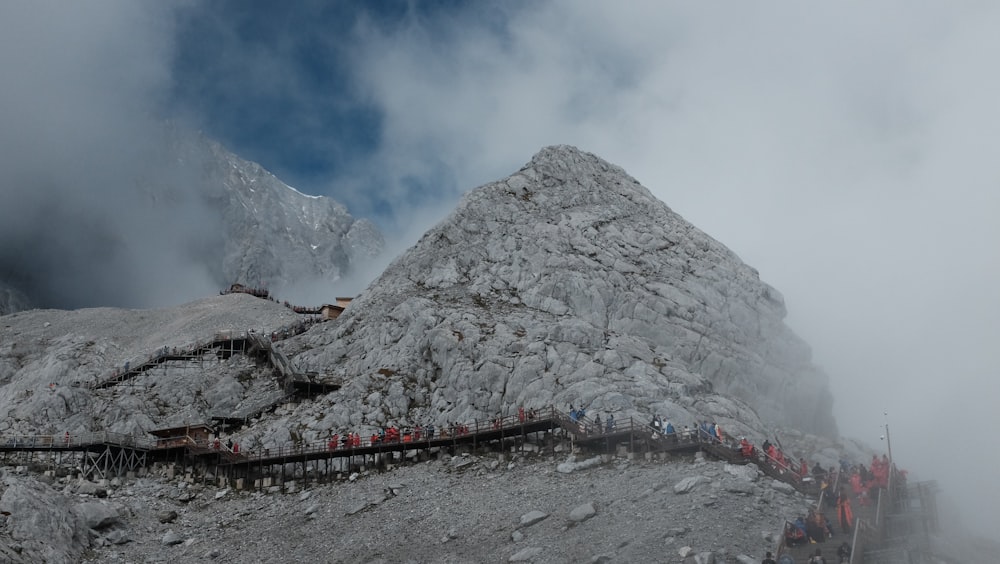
(93, 212)
(844, 150)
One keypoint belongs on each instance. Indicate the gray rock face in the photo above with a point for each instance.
(47, 357)
(43, 523)
(569, 283)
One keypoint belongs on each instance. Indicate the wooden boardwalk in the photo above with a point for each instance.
(102, 455)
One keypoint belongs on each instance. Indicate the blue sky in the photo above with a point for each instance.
(280, 84)
(846, 150)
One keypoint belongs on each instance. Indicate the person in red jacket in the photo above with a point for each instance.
(844, 512)
(746, 449)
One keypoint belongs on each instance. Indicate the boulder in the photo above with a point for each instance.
(572, 465)
(171, 538)
(85, 487)
(525, 554)
(705, 558)
(532, 517)
(782, 487)
(748, 472)
(117, 536)
(687, 485)
(582, 512)
(97, 515)
(738, 487)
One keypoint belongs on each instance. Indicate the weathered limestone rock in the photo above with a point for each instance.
(117, 536)
(747, 472)
(96, 515)
(171, 538)
(582, 512)
(687, 485)
(43, 523)
(782, 487)
(705, 558)
(567, 283)
(85, 487)
(741, 487)
(572, 465)
(525, 554)
(532, 517)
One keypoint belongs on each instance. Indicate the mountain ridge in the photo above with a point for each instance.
(566, 273)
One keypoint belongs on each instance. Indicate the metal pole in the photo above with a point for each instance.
(888, 442)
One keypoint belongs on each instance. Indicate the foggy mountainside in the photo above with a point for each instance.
(564, 283)
(186, 216)
(569, 283)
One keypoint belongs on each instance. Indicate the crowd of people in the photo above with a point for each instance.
(395, 435)
(840, 485)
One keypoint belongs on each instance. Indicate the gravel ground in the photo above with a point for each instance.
(441, 512)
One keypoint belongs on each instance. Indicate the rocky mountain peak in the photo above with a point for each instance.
(569, 283)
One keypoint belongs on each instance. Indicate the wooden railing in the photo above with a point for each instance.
(75, 441)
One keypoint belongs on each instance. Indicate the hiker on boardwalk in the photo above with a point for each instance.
(610, 424)
(815, 527)
(844, 513)
(817, 558)
(671, 432)
(768, 559)
(844, 552)
(795, 533)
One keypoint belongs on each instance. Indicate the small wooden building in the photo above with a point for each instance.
(180, 436)
(342, 302)
(330, 311)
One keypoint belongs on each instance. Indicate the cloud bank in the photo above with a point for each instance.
(93, 213)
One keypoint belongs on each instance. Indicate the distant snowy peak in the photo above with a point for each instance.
(278, 237)
(570, 283)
